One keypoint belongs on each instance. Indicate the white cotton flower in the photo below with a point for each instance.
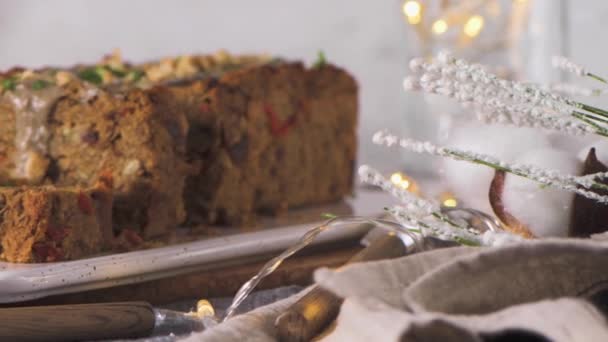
(545, 211)
(470, 182)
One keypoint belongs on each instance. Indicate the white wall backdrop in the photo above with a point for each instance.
(366, 37)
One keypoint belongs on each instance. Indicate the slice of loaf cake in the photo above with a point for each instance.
(268, 137)
(70, 132)
(44, 224)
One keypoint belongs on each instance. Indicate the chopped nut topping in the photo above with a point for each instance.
(132, 167)
(35, 166)
(185, 67)
(63, 78)
(160, 71)
(114, 60)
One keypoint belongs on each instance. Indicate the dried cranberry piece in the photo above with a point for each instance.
(90, 137)
(278, 128)
(132, 237)
(205, 107)
(44, 252)
(111, 115)
(85, 204)
(57, 234)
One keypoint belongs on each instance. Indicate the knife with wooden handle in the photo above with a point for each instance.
(101, 321)
(314, 311)
(77, 322)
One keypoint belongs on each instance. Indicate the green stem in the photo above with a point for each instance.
(458, 239)
(585, 118)
(593, 109)
(597, 78)
(594, 186)
(596, 118)
(447, 220)
(599, 186)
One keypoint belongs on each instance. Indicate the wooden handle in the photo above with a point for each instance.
(314, 311)
(77, 322)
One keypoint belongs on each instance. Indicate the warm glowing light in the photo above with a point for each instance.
(440, 26)
(204, 309)
(311, 310)
(411, 8)
(448, 200)
(400, 180)
(450, 203)
(404, 182)
(412, 11)
(473, 26)
(414, 20)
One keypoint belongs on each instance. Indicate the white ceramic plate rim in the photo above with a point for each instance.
(22, 282)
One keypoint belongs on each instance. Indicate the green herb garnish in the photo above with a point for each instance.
(9, 83)
(40, 84)
(115, 72)
(91, 75)
(135, 75)
(321, 60)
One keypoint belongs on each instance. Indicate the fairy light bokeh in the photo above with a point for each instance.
(473, 26)
(466, 25)
(412, 11)
(405, 182)
(448, 200)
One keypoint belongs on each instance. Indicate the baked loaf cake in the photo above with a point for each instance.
(61, 130)
(43, 224)
(216, 139)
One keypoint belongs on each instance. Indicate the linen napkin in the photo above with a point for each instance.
(545, 290)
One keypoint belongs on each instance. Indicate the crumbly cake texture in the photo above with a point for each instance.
(215, 138)
(45, 224)
(70, 135)
(267, 138)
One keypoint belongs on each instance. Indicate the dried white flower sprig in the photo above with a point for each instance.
(502, 101)
(415, 211)
(563, 63)
(575, 90)
(551, 178)
(426, 216)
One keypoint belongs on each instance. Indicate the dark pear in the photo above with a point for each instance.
(589, 216)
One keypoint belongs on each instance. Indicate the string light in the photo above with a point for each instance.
(440, 26)
(473, 26)
(398, 179)
(412, 11)
(405, 182)
(448, 200)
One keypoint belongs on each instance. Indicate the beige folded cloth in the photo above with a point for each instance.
(541, 289)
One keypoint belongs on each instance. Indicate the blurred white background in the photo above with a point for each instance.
(367, 37)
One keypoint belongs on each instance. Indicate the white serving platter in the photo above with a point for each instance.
(22, 282)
